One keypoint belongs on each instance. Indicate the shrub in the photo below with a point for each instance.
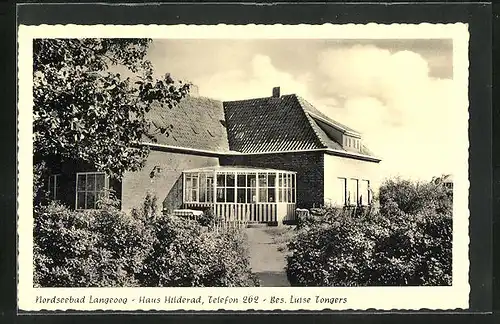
(186, 254)
(92, 248)
(106, 247)
(408, 243)
(208, 218)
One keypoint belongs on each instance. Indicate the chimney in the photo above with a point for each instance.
(276, 92)
(194, 91)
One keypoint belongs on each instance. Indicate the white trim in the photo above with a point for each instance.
(235, 153)
(337, 127)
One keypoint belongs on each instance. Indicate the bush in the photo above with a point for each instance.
(186, 254)
(109, 248)
(93, 248)
(208, 218)
(408, 243)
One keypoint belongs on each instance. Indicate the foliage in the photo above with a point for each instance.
(186, 254)
(84, 111)
(208, 218)
(408, 243)
(92, 248)
(106, 247)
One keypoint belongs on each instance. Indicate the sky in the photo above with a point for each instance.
(397, 93)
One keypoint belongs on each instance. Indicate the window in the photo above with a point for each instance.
(286, 188)
(191, 189)
(342, 187)
(54, 186)
(263, 187)
(364, 193)
(89, 186)
(251, 188)
(206, 191)
(221, 187)
(352, 192)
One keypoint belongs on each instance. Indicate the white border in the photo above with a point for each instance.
(386, 298)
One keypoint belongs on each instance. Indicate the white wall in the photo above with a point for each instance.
(341, 167)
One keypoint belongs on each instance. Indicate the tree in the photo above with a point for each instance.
(85, 111)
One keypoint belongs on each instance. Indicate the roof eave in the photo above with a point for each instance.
(337, 127)
(353, 155)
(177, 149)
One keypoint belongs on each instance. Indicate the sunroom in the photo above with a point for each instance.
(242, 194)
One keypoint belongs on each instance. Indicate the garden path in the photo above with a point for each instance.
(265, 260)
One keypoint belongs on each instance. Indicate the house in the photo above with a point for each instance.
(256, 159)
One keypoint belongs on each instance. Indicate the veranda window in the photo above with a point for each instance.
(191, 187)
(89, 187)
(239, 186)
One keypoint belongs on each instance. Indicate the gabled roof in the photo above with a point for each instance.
(263, 125)
(269, 124)
(196, 123)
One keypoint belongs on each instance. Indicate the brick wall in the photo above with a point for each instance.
(165, 184)
(308, 165)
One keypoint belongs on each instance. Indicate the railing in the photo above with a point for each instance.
(250, 213)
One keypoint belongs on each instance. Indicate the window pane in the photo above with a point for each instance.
(293, 195)
(99, 182)
(262, 194)
(271, 180)
(280, 195)
(289, 180)
(221, 195)
(195, 181)
(352, 195)
(285, 196)
(193, 195)
(230, 180)
(221, 180)
(251, 180)
(293, 181)
(241, 195)
(203, 188)
(280, 180)
(251, 196)
(80, 182)
(210, 188)
(363, 192)
(203, 195)
(230, 195)
(90, 200)
(271, 195)
(189, 183)
(80, 200)
(90, 182)
(262, 180)
(342, 187)
(242, 180)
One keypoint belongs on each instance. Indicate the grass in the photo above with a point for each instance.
(281, 235)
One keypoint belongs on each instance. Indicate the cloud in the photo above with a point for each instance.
(405, 115)
(255, 81)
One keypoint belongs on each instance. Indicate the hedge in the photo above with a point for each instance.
(110, 248)
(409, 242)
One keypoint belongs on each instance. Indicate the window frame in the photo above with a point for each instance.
(94, 173)
(53, 186)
